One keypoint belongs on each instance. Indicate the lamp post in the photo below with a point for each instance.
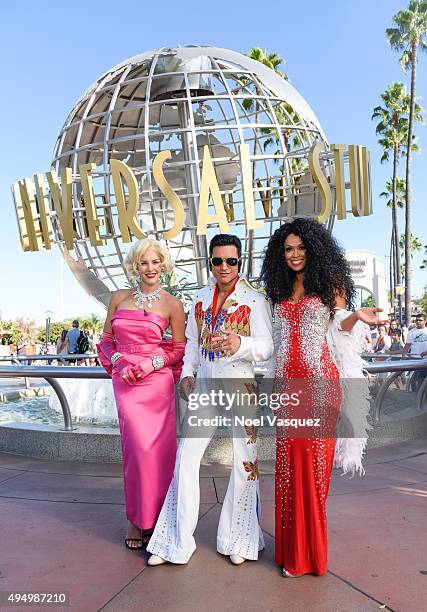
(400, 290)
(49, 314)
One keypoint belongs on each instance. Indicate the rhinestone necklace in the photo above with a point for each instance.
(141, 298)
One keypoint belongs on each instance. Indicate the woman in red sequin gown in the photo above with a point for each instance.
(307, 279)
(303, 465)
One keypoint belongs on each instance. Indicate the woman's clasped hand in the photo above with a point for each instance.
(132, 373)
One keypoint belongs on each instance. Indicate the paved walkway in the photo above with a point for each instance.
(62, 529)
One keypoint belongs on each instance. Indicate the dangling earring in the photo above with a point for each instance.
(135, 279)
(163, 277)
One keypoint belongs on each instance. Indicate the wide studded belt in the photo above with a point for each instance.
(138, 348)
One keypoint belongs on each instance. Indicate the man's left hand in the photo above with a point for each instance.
(228, 343)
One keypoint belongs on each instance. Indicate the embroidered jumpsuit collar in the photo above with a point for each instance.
(241, 282)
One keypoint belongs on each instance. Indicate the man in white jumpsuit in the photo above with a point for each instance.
(229, 328)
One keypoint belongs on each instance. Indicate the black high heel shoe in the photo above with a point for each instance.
(134, 543)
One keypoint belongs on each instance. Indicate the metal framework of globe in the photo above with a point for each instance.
(183, 99)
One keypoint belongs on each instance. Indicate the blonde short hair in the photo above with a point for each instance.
(138, 250)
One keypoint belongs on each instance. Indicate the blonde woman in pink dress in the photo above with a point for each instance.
(144, 369)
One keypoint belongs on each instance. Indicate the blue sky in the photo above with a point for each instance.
(336, 55)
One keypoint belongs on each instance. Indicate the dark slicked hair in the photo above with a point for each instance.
(326, 272)
(225, 240)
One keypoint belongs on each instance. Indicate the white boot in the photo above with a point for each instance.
(237, 559)
(156, 560)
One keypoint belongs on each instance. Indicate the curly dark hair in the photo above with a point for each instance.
(326, 271)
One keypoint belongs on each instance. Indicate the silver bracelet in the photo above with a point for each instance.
(114, 357)
(158, 362)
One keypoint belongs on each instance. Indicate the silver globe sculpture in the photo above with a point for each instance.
(182, 99)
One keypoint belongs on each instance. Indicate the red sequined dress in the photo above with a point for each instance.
(304, 464)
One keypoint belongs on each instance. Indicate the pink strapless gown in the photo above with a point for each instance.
(146, 413)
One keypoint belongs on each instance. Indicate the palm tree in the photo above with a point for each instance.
(400, 190)
(415, 246)
(282, 111)
(271, 60)
(93, 322)
(393, 128)
(408, 36)
(395, 195)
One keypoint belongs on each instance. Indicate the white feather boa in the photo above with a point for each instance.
(345, 348)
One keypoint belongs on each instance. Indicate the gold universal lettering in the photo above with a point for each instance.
(126, 212)
(20, 217)
(34, 216)
(356, 187)
(248, 195)
(93, 221)
(62, 197)
(29, 208)
(209, 185)
(321, 181)
(367, 193)
(338, 150)
(43, 210)
(170, 195)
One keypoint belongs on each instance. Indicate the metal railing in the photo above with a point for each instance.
(51, 373)
(63, 358)
(394, 369)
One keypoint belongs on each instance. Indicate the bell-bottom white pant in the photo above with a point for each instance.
(239, 532)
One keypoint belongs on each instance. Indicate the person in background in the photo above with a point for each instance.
(60, 341)
(71, 340)
(404, 331)
(383, 342)
(394, 325)
(396, 348)
(374, 335)
(21, 349)
(366, 339)
(416, 343)
(396, 345)
(33, 349)
(90, 348)
(416, 346)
